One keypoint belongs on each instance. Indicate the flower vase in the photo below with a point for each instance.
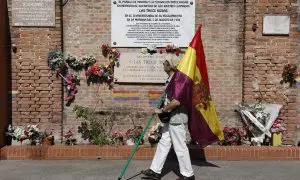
(276, 139)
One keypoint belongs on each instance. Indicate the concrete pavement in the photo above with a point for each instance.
(110, 169)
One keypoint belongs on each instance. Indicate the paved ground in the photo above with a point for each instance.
(109, 170)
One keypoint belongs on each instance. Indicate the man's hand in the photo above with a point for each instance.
(158, 111)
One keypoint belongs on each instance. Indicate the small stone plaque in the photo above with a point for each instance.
(276, 24)
(140, 68)
(33, 13)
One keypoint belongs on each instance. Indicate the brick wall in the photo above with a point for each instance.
(39, 91)
(265, 57)
(227, 32)
(87, 25)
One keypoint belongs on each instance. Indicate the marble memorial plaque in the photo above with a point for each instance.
(276, 24)
(34, 13)
(140, 68)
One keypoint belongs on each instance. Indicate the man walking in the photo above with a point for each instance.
(173, 133)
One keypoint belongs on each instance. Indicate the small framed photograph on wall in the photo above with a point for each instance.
(276, 24)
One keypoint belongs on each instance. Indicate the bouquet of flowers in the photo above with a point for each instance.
(155, 133)
(94, 73)
(117, 137)
(56, 62)
(74, 63)
(173, 49)
(134, 134)
(99, 74)
(87, 61)
(233, 136)
(289, 74)
(114, 55)
(71, 89)
(261, 117)
(17, 133)
(70, 139)
(277, 126)
(31, 133)
(105, 49)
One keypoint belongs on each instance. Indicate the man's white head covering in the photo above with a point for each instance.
(172, 59)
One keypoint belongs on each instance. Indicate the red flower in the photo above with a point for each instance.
(57, 70)
(161, 51)
(177, 53)
(104, 46)
(25, 132)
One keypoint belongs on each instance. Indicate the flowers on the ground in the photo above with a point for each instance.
(134, 134)
(70, 138)
(233, 136)
(30, 132)
(17, 133)
(289, 74)
(278, 126)
(257, 110)
(117, 137)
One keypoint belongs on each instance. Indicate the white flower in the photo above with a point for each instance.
(144, 50)
(151, 47)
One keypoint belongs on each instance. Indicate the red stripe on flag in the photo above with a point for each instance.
(197, 44)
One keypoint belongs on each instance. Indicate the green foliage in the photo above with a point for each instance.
(78, 64)
(93, 129)
(56, 61)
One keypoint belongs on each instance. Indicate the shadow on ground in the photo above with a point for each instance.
(171, 164)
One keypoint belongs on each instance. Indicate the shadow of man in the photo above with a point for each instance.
(171, 165)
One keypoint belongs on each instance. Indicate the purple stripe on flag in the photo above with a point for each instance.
(200, 130)
(180, 88)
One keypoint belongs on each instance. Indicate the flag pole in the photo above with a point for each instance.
(161, 100)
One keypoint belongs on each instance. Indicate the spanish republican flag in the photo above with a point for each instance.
(190, 87)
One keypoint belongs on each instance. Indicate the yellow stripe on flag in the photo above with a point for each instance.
(188, 63)
(211, 119)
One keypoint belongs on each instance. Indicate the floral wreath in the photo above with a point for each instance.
(94, 73)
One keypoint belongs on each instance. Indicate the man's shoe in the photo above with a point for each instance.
(151, 174)
(186, 178)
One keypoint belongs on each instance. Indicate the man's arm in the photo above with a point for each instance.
(173, 104)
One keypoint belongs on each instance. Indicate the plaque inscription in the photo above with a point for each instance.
(33, 13)
(140, 68)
